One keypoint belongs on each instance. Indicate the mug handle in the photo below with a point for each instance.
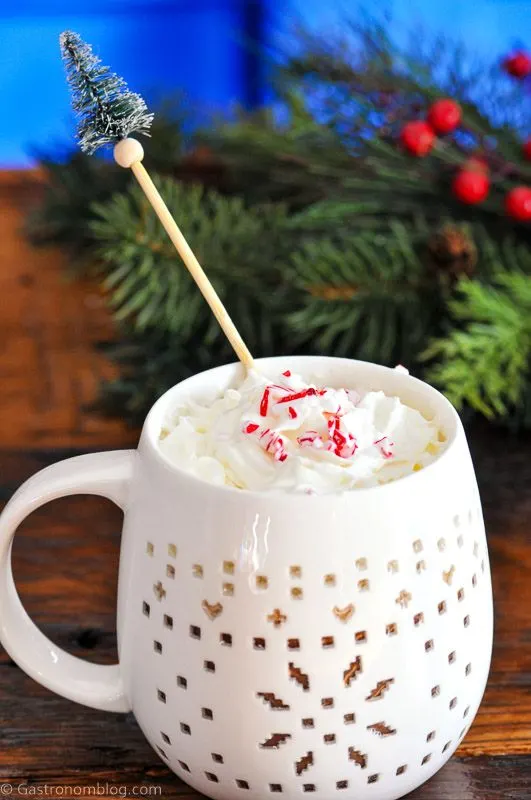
(106, 474)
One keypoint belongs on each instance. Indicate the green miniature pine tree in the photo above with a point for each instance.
(107, 110)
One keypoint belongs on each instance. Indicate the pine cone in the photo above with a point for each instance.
(451, 253)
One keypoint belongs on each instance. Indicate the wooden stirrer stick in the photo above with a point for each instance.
(128, 153)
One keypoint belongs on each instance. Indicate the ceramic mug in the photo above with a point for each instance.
(337, 645)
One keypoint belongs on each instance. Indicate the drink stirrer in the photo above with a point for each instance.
(107, 113)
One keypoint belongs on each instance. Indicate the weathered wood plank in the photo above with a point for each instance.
(49, 370)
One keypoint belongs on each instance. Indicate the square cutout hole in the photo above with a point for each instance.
(182, 683)
(195, 631)
(330, 579)
(275, 787)
(327, 702)
(161, 696)
(170, 571)
(211, 777)
(262, 582)
(361, 564)
(217, 758)
(294, 644)
(241, 784)
(172, 551)
(183, 765)
(168, 621)
(349, 719)
(360, 637)
(329, 738)
(228, 589)
(308, 787)
(327, 641)
(185, 729)
(207, 713)
(197, 570)
(150, 548)
(259, 643)
(296, 593)
(391, 629)
(209, 666)
(228, 567)
(165, 738)
(342, 785)
(225, 639)
(308, 722)
(157, 647)
(363, 585)
(146, 609)
(400, 770)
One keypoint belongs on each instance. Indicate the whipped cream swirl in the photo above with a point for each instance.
(282, 434)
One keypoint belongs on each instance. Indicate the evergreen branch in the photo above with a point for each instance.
(148, 286)
(485, 362)
(365, 296)
(107, 110)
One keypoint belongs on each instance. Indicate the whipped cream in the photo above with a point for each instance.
(282, 434)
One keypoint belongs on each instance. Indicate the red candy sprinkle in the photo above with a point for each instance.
(251, 427)
(291, 411)
(275, 446)
(311, 392)
(287, 373)
(310, 439)
(385, 451)
(264, 402)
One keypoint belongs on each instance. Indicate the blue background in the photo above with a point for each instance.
(202, 47)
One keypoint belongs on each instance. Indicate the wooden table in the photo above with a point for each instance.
(65, 563)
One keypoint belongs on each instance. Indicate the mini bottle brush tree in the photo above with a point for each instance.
(107, 113)
(327, 239)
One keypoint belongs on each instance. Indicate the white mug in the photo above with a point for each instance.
(337, 645)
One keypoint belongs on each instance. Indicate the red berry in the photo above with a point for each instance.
(518, 65)
(518, 203)
(471, 187)
(444, 115)
(417, 137)
(526, 149)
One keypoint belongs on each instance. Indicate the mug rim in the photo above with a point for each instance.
(154, 423)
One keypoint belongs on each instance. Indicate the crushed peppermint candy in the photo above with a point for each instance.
(288, 435)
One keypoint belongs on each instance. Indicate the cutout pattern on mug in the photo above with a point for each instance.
(452, 607)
